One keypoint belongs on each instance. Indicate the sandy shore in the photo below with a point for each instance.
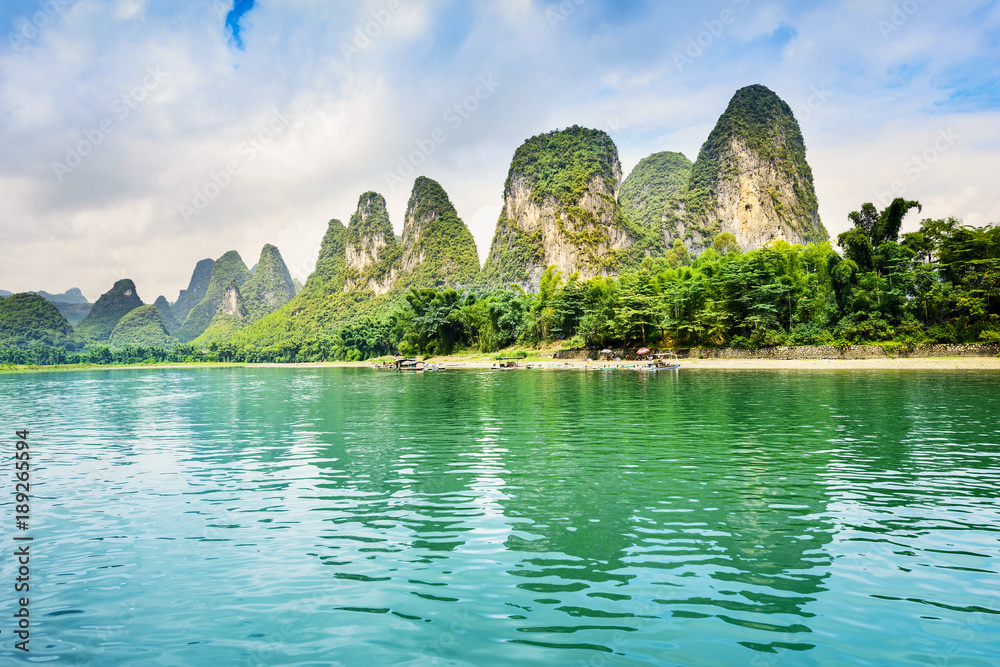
(535, 363)
(922, 363)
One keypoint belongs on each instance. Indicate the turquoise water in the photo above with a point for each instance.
(266, 516)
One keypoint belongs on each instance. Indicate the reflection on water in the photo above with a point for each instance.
(342, 516)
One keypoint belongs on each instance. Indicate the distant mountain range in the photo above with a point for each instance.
(565, 204)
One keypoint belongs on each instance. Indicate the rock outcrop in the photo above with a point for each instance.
(195, 292)
(751, 178)
(438, 249)
(371, 251)
(560, 207)
(228, 268)
(108, 310)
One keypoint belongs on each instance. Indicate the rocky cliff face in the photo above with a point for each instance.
(228, 268)
(371, 250)
(438, 249)
(231, 306)
(108, 309)
(560, 207)
(751, 178)
(195, 292)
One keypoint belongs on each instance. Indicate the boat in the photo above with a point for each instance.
(666, 361)
(508, 362)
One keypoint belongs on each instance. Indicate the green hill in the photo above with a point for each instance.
(321, 305)
(228, 268)
(438, 249)
(30, 319)
(142, 327)
(111, 307)
(269, 288)
(653, 187)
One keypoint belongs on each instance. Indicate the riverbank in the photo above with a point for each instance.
(922, 363)
(480, 362)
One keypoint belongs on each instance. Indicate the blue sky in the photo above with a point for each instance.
(208, 127)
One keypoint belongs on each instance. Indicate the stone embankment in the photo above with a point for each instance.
(806, 352)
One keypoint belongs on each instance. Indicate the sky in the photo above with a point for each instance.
(137, 138)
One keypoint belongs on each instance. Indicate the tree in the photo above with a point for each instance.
(872, 228)
(725, 243)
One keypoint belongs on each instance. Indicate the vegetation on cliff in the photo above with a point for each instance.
(269, 288)
(372, 251)
(653, 188)
(562, 164)
(166, 313)
(111, 307)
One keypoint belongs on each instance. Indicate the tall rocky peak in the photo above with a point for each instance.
(189, 298)
(108, 309)
(560, 207)
(751, 178)
(270, 287)
(229, 267)
(371, 250)
(653, 189)
(437, 246)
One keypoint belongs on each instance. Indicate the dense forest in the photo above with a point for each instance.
(940, 283)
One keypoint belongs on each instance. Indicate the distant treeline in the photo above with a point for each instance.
(940, 284)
